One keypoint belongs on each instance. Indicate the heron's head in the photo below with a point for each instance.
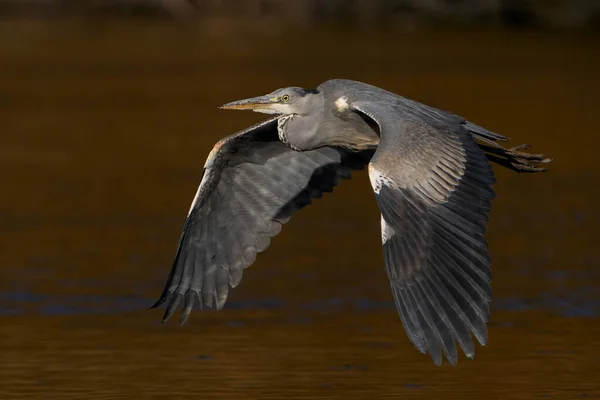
(286, 101)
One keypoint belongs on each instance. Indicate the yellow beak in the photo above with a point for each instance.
(256, 103)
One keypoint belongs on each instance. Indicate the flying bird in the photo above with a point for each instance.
(431, 174)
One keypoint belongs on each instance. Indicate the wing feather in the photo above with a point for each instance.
(251, 185)
(434, 187)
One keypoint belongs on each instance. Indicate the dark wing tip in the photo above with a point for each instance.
(189, 301)
(158, 302)
(188, 305)
(173, 304)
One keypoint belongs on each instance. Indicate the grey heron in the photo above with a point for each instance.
(431, 174)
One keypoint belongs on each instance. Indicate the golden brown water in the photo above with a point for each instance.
(104, 131)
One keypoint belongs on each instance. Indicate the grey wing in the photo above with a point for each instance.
(433, 185)
(252, 184)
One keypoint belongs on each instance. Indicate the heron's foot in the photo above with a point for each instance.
(526, 162)
(516, 159)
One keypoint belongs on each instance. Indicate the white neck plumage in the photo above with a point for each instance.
(281, 123)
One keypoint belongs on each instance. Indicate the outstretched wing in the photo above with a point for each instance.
(251, 185)
(433, 186)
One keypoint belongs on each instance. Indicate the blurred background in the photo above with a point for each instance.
(108, 110)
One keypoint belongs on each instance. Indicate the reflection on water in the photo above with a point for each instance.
(577, 303)
(105, 130)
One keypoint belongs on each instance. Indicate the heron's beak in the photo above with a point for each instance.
(260, 104)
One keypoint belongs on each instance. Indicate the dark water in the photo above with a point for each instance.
(104, 131)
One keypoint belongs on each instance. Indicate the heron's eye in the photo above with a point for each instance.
(285, 98)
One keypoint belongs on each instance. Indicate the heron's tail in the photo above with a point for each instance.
(514, 158)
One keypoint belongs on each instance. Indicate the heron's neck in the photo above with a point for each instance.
(298, 131)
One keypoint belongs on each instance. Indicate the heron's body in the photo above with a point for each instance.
(432, 180)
